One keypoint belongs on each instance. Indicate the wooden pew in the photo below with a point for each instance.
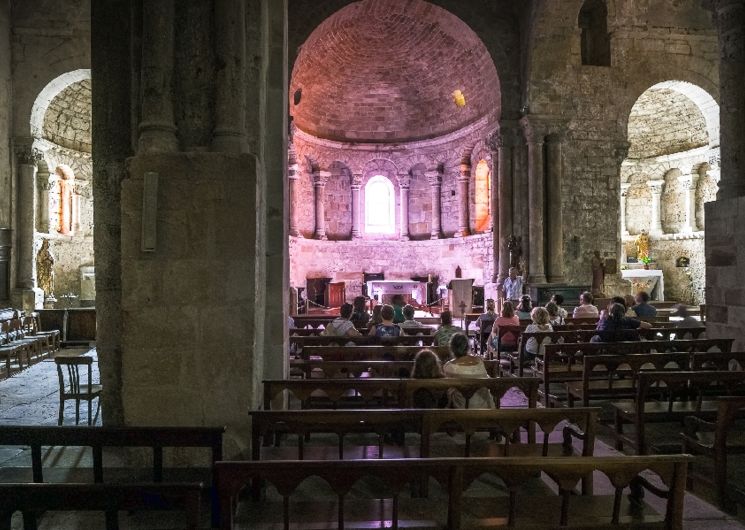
(717, 440)
(390, 393)
(30, 499)
(364, 340)
(371, 353)
(520, 475)
(380, 369)
(563, 362)
(698, 394)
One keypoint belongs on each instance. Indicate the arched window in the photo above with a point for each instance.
(482, 197)
(380, 206)
(593, 22)
(68, 205)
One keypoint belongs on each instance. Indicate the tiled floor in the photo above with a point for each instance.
(31, 398)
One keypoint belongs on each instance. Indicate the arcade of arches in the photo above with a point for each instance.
(277, 141)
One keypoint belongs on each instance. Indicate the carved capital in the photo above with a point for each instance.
(533, 131)
(689, 181)
(28, 155)
(655, 186)
(621, 151)
(321, 177)
(494, 141)
(356, 181)
(404, 180)
(434, 177)
(625, 188)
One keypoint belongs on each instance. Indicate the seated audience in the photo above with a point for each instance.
(467, 366)
(628, 301)
(386, 328)
(615, 300)
(680, 310)
(541, 322)
(427, 366)
(489, 317)
(508, 318)
(398, 308)
(525, 307)
(342, 326)
(554, 316)
(558, 299)
(616, 326)
(360, 316)
(642, 307)
(409, 321)
(375, 319)
(447, 329)
(585, 309)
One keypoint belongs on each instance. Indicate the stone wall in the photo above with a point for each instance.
(347, 260)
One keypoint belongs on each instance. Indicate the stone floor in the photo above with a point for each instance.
(31, 398)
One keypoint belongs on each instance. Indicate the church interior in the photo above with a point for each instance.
(369, 263)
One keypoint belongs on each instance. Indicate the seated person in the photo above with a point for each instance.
(398, 308)
(585, 309)
(375, 319)
(386, 328)
(409, 321)
(507, 318)
(558, 299)
(628, 301)
(360, 316)
(554, 316)
(680, 310)
(342, 326)
(618, 327)
(526, 306)
(541, 322)
(615, 300)
(489, 317)
(427, 366)
(642, 307)
(447, 329)
(467, 366)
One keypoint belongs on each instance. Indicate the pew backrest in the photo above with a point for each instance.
(370, 353)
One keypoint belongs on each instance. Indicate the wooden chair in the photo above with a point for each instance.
(70, 387)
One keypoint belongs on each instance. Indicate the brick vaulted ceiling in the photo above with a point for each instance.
(385, 71)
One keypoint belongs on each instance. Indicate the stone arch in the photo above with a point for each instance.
(48, 93)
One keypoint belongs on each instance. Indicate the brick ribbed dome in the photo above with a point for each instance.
(385, 71)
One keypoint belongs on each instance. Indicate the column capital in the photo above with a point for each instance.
(688, 180)
(655, 186)
(321, 177)
(625, 188)
(356, 181)
(533, 132)
(293, 171)
(26, 154)
(434, 177)
(404, 180)
(465, 172)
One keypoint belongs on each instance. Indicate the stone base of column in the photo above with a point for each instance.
(156, 137)
(537, 279)
(296, 233)
(555, 279)
(228, 141)
(321, 236)
(32, 299)
(435, 235)
(462, 233)
(404, 238)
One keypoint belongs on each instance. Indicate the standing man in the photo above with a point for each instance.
(513, 286)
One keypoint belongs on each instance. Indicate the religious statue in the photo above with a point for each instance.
(515, 249)
(598, 274)
(45, 269)
(642, 245)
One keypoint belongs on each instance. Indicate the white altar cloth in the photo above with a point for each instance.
(651, 281)
(407, 288)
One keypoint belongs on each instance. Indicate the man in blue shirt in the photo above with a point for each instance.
(642, 307)
(513, 286)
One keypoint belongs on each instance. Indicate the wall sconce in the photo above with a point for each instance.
(459, 98)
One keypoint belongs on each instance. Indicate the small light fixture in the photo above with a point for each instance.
(459, 98)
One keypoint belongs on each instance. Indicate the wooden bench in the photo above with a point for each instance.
(683, 394)
(371, 353)
(520, 507)
(16, 345)
(364, 340)
(389, 393)
(31, 499)
(380, 369)
(717, 440)
(562, 363)
(156, 438)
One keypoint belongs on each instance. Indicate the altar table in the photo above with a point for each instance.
(651, 281)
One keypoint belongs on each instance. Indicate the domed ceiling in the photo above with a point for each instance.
(67, 121)
(386, 70)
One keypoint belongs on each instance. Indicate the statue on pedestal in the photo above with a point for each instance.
(642, 245)
(598, 274)
(45, 272)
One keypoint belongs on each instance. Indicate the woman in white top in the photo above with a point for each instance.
(468, 366)
(585, 309)
(541, 322)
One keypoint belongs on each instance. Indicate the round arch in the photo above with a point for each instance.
(48, 93)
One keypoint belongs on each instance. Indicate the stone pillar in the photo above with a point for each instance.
(730, 19)
(501, 144)
(26, 208)
(320, 178)
(6, 115)
(464, 178)
(157, 130)
(356, 206)
(689, 182)
(76, 207)
(537, 202)
(554, 177)
(404, 183)
(230, 98)
(43, 184)
(624, 192)
(655, 187)
(293, 175)
(435, 182)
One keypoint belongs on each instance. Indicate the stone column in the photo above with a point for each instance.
(536, 199)
(464, 178)
(730, 19)
(624, 192)
(320, 178)
(76, 192)
(501, 144)
(554, 177)
(230, 99)
(356, 207)
(689, 182)
(157, 130)
(655, 187)
(293, 175)
(435, 182)
(26, 226)
(43, 184)
(404, 183)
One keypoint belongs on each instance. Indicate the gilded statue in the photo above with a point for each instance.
(45, 269)
(642, 245)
